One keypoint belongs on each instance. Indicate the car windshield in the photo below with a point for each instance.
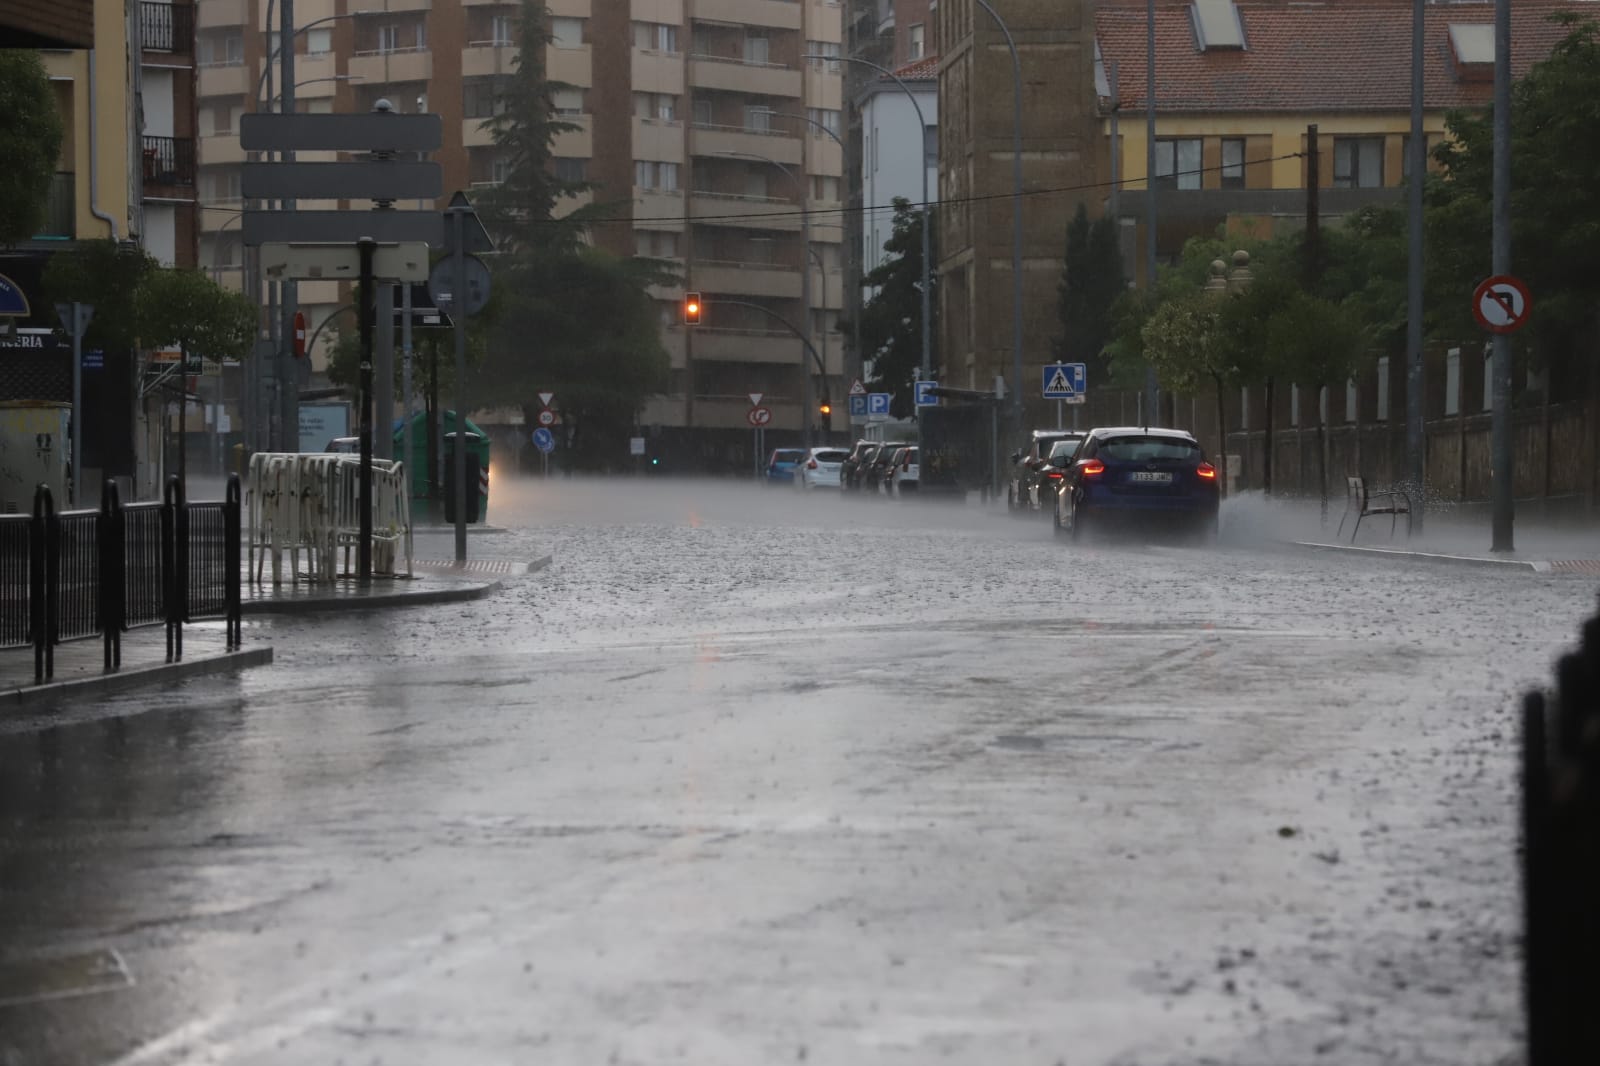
(788, 455)
(830, 457)
(1143, 449)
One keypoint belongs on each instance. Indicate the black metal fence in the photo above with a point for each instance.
(166, 27)
(80, 574)
(1561, 859)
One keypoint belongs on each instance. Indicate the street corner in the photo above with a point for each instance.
(1442, 557)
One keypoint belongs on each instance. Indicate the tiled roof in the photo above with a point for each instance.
(1314, 55)
(924, 69)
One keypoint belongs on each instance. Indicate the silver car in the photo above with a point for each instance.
(819, 469)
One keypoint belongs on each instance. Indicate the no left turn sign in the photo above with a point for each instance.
(1501, 304)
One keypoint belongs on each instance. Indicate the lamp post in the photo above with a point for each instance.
(1016, 212)
(1150, 388)
(927, 205)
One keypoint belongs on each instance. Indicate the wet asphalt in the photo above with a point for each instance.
(746, 778)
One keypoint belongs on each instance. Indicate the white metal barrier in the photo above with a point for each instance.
(312, 502)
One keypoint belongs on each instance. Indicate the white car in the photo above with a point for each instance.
(903, 478)
(819, 469)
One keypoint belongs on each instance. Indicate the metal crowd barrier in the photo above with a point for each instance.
(311, 503)
(74, 575)
(1561, 860)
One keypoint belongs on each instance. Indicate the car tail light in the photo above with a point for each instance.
(1093, 468)
(812, 465)
(1055, 475)
(1207, 471)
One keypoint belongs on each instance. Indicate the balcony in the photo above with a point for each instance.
(744, 345)
(781, 146)
(225, 79)
(745, 212)
(391, 68)
(219, 215)
(221, 149)
(577, 143)
(657, 72)
(166, 27)
(216, 14)
(660, 139)
(747, 279)
(486, 59)
(168, 162)
(778, 14)
(60, 209)
(475, 133)
(737, 76)
(663, 209)
(575, 66)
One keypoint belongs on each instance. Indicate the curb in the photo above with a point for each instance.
(473, 529)
(329, 604)
(136, 677)
(1527, 565)
(541, 563)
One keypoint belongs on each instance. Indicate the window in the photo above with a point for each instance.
(1233, 162)
(573, 170)
(481, 99)
(225, 51)
(566, 32)
(649, 174)
(319, 41)
(757, 48)
(655, 244)
(826, 117)
(500, 29)
(422, 35)
(1178, 161)
(1357, 162)
(567, 103)
(660, 106)
(824, 188)
(655, 36)
(758, 119)
(823, 48)
(388, 38)
(702, 113)
(914, 43)
(500, 170)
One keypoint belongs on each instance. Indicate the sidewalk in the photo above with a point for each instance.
(434, 581)
(144, 662)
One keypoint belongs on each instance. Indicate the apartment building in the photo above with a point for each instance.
(694, 122)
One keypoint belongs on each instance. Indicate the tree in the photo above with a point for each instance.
(107, 276)
(30, 142)
(891, 321)
(188, 311)
(1092, 281)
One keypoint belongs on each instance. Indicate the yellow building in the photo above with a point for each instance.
(1238, 83)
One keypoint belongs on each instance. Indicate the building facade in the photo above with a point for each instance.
(695, 117)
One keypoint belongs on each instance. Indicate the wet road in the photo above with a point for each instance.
(747, 779)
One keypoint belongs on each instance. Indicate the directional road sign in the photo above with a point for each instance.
(877, 405)
(343, 227)
(365, 179)
(759, 416)
(544, 440)
(390, 262)
(1063, 381)
(924, 394)
(858, 405)
(371, 131)
(1501, 304)
(442, 280)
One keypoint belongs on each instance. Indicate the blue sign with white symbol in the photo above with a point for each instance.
(12, 300)
(925, 396)
(858, 406)
(877, 404)
(544, 440)
(1064, 381)
(94, 360)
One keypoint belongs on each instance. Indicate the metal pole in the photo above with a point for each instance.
(77, 401)
(1417, 151)
(806, 403)
(364, 549)
(405, 383)
(1016, 213)
(288, 370)
(823, 274)
(383, 371)
(458, 299)
(1500, 425)
(1150, 384)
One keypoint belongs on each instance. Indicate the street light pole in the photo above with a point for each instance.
(1501, 458)
(1016, 213)
(1416, 151)
(1150, 384)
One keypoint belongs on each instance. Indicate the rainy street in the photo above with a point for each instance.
(747, 778)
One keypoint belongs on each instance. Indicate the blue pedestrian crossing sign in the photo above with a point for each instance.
(858, 405)
(924, 393)
(1064, 381)
(877, 405)
(544, 440)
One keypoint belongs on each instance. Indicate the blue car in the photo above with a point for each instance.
(780, 468)
(1138, 477)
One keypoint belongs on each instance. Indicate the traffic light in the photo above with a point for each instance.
(826, 409)
(691, 309)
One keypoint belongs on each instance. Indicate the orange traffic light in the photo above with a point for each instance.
(826, 409)
(691, 309)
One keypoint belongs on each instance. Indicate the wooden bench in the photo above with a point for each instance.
(1363, 504)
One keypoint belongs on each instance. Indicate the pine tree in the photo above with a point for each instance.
(1092, 280)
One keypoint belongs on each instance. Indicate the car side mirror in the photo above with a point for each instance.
(1016, 457)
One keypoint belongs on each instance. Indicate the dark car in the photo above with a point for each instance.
(1138, 477)
(1031, 469)
(878, 467)
(780, 467)
(1052, 473)
(850, 469)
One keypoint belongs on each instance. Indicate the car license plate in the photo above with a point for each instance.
(1151, 477)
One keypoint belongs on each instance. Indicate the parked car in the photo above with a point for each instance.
(345, 445)
(780, 467)
(1141, 477)
(904, 472)
(1031, 467)
(1053, 473)
(820, 470)
(850, 469)
(877, 468)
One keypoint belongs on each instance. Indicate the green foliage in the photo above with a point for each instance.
(1092, 281)
(30, 142)
(188, 311)
(107, 276)
(891, 321)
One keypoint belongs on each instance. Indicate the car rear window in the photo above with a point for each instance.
(1145, 449)
(788, 455)
(910, 456)
(831, 457)
(1065, 447)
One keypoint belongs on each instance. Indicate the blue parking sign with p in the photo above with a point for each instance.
(858, 406)
(924, 394)
(877, 403)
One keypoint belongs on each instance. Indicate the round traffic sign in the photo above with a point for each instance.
(1501, 304)
(442, 280)
(547, 417)
(544, 440)
(759, 416)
